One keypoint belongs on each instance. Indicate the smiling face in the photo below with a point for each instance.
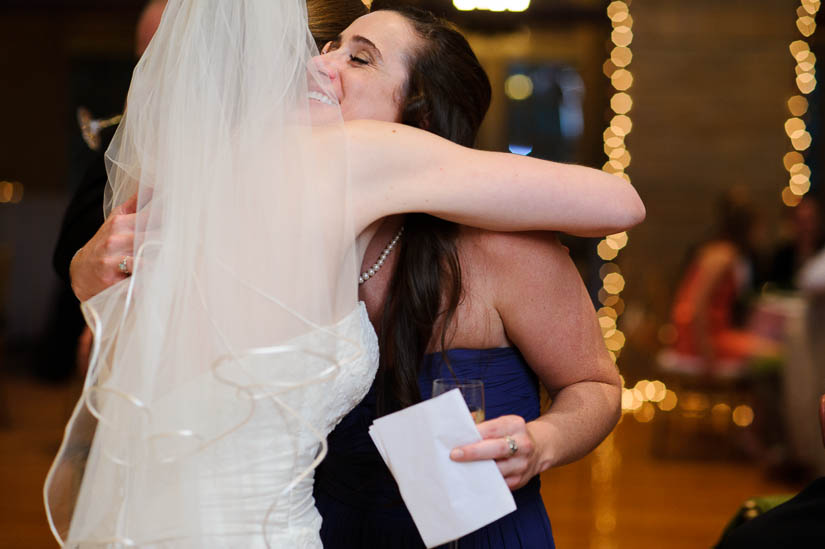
(367, 66)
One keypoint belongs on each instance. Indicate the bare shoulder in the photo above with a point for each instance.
(517, 266)
(509, 251)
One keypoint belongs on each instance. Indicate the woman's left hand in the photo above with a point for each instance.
(507, 440)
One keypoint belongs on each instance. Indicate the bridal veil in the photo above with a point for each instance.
(244, 245)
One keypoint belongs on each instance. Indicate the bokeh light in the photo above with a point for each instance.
(616, 69)
(518, 87)
(799, 182)
(11, 192)
(743, 415)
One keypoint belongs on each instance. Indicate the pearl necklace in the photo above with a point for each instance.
(366, 275)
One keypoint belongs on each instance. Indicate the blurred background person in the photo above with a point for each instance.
(710, 302)
(803, 238)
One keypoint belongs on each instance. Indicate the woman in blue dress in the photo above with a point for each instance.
(507, 308)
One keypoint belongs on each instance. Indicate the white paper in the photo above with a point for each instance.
(446, 499)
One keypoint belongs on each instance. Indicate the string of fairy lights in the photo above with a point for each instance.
(618, 160)
(799, 181)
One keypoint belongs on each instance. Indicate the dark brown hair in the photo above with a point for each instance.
(447, 93)
(328, 18)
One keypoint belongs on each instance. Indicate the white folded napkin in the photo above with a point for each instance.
(446, 499)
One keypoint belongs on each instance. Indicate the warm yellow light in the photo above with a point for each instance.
(623, 21)
(645, 413)
(6, 191)
(622, 36)
(628, 400)
(720, 417)
(605, 251)
(621, 103)
(802, 142)
(608, 312)
(621, 79)
(669, 401)
(811, 6)
(607, 323)
(518, 5)
(720, 409)
(613, 166)
(743, 415)
(806, 82)
(621, 124)
(799, 179)
(618, 240)
(614, 142)
(804, 67)
(615, 154)
(624, 159)
(799, 46)
(518, 87)
(658, 390)
(789, 198)
(695, 402)
(801, 188)
(615, 341)
(608, 68)
(791, 159)
(798, 105)
(806, 25)
(621, 56)
(617, 9)
(794, 127)
(800, 169)
(613, 283)
(464, 5)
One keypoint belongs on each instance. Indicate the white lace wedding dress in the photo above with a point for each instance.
(253, 480)
(222, 363)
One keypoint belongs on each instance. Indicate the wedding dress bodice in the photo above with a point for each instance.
(250, 487)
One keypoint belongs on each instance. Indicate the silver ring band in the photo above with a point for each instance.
(123, 266)
(511, 443)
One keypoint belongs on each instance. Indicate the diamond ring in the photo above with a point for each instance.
(511, 443)
(123, 267)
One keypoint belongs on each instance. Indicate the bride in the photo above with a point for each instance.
(222, 363)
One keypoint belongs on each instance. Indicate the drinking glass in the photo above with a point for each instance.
(473, 392)
(471, 389)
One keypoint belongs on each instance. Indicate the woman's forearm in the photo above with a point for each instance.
(580, 417)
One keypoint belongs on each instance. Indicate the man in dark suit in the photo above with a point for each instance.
(799, 522)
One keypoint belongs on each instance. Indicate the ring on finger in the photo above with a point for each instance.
(511, 444)
(123, 266)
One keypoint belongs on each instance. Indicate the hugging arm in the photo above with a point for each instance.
(411, 170)
(549, 317)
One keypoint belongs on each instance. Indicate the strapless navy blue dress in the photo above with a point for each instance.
(359, 500)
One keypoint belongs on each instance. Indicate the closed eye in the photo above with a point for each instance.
(358, 60)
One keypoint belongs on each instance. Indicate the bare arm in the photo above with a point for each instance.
(549, 317)
(401, 169)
